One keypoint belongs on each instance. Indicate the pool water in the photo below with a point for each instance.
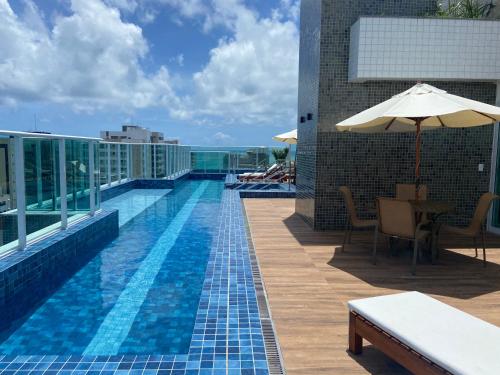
(140, 294)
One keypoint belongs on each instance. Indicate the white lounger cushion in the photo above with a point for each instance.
(252, 174)
(259, 174)
(451, 338)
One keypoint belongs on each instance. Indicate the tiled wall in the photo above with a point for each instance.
(419, 48)
(372, 164)
(310, 21)
(28, 276)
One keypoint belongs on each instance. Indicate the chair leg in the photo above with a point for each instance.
(415, 255)
(484, 248)
(475, 244)
(346, 233)
(374, 256)
(349, 235)
(434, 244)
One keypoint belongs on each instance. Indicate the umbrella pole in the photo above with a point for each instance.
(289, 165)
(417, 158)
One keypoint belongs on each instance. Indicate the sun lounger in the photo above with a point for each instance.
(425, 335)
(259, 175)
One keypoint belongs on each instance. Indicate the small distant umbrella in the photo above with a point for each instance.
(290, 138)
(423, 107)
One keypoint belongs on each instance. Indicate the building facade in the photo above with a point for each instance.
(356, 54)
(136, 134)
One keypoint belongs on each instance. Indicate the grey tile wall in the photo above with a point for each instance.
(310, 25)
(372, 164)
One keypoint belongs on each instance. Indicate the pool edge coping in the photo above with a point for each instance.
(270, 339)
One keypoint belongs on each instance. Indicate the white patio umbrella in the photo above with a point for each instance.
(423, 107)
(290, 138)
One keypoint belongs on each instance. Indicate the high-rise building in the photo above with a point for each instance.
(136, 134)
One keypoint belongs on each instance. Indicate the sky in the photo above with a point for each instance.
(210, 72)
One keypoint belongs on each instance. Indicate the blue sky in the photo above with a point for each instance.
(211, 72)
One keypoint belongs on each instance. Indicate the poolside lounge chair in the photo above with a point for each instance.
(407, 192)
(352, 220)
(397, 219)
(260, 175)
(477, 225)
(425, 335)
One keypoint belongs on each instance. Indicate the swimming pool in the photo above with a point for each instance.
(140, 294)
(173, 294)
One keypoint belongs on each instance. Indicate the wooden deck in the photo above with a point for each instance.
(309, 281)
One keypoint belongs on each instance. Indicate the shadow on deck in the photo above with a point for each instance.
(309, 281)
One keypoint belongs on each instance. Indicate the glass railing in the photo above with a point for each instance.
(229, 159)
(46, 182)
(121, 162)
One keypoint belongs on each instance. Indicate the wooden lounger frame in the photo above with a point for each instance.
(360, 328)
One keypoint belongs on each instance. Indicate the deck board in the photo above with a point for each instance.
(309, 281)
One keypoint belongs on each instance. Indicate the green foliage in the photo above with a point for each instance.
(463, 9)
(280, 154)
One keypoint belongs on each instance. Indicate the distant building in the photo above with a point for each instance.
(136, 134)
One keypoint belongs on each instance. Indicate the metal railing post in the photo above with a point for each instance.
(92, 178)
(119, 161)
(109, 164)
(144, 161)
(20, 192)
(154, 161)
(39, 183)
(128, 162)
(62, 184)
(175, 161)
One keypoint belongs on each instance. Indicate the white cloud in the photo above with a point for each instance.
(90, 59)
(93, 59)
(124, 5)
(220, 139)
(148, 16)
(252, 76)
(179, 59)
(289, 8)
(187, 8)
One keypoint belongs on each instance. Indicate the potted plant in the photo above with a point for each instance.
(280, 154)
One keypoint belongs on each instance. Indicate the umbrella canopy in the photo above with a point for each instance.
(423, 107)
(434, 107)
(288, 137)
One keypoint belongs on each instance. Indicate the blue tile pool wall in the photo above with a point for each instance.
(114, 191)
(207, 176)
(27, 277)
(228, 332)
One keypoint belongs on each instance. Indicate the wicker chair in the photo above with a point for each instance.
(352, 220)
(396, 218)
(477, 224)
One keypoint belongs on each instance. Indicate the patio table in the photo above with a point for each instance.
(433, 210)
